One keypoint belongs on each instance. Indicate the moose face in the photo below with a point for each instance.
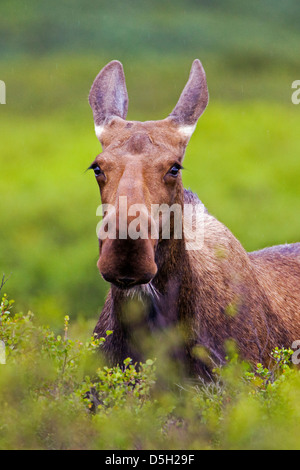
(138, 168)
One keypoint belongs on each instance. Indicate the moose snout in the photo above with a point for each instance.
(127, 258)
(127, 263)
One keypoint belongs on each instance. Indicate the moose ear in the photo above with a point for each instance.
(108, 96)
(192, 102)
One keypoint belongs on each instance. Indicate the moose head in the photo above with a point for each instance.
(140, 163)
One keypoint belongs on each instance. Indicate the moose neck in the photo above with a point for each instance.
(135, 314)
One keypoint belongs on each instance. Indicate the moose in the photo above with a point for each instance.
(212, 295)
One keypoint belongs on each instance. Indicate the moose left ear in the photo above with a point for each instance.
(192, 102)
(108, 97)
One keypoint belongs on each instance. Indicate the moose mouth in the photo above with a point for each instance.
(127, 283)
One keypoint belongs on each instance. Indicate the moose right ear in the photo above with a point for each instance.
(192, 102)
(108, 96)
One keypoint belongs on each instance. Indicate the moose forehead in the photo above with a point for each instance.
(151, 139)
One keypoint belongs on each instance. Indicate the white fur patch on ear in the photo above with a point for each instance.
(99, 130)
(187, 131)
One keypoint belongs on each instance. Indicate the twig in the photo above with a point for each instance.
(3, 282)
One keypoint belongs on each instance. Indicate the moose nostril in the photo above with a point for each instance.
(126, 281)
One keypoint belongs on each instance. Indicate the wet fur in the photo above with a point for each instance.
(218, 293)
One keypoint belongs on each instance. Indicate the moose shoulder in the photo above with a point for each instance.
(213, 292)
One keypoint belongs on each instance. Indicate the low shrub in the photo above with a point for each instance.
(57, 393)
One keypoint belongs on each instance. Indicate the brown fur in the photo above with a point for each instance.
(211, 295)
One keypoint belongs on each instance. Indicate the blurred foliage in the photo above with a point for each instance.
(55, 394)
(50, 52)
(263, 29)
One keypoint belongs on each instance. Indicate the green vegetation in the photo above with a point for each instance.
(264, 30)
(243, 162)
(55, 394)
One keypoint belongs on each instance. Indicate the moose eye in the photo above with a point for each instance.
(174, 171)
(96, 168)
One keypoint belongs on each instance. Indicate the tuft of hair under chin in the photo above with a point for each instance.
(142, 291)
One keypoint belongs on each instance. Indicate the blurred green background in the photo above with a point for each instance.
(243, 160)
